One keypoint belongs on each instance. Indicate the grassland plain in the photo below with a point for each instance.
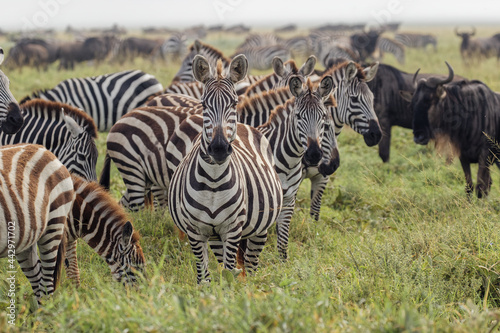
(398, 247)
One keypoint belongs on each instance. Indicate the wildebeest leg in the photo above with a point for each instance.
(469, 186)
(384, 146)
(483, 175)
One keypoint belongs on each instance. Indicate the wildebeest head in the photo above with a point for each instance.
(427, 94)
(465, 36)
(11, 118)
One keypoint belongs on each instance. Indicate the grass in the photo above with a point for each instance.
(398, 247)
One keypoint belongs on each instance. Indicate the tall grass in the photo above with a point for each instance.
(398, 247)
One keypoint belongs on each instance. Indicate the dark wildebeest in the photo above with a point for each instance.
(478, 48)
(391, 108)
(132, 47)
(415, 40)
(31, 52)
(92, 48)
(464, 114)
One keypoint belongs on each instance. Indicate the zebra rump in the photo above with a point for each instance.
(106, 98)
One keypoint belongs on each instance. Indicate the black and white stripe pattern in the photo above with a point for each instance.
(101, 222)
(67, 132)
(233, 192)
(106, 97)
(261, 57)
(36, 195)
(397, 49)
(11, 118)
(416, 40)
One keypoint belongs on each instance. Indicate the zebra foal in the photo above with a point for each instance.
(226, 188)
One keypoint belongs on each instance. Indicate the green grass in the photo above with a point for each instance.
(398, 247)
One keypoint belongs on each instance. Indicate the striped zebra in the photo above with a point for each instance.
(93, 214)
(195, 89)
(397, 49)
(295, 131)
(281, 75)
(261, 57)
(416, 40)
(106, 97)
(11, 118)
(233, 192)
(174, 47)
(36, 195)
(67, 132)
(257, 40)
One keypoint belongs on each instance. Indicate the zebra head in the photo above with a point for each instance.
(310, 115)
(11, 119)
(80, 153)
(219, 100)
(355, 101)
(127, 258)
(287, 70)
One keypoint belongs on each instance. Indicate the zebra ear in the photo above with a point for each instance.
(1, 55)
(278, 67)
(295, 86)
(326, 86)
(351, 70)
(197, 46)
(308, 67)
(127, 232)
(72, 125)
(238, 68)
(201, 68)
(370, 72)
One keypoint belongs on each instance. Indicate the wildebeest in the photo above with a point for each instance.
(464, 114)
(31, 52)
(132, 47)
(391, 108)
(92, 48)
(478, 48)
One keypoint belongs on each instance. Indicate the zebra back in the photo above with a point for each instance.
(106, 98)
(36, 195)
(66, 131)
(94, 212)
(11, 118)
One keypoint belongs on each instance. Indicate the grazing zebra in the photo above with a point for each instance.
(261, 57)
(11, 118)
(415, 40)
(295, 131)
(233, 192)
(257, 40)
(36, 195)
(281, 75)
(106, 97)
(94, 213)
(175, 99)
(67, 132)
(174, 47)
(386, 45)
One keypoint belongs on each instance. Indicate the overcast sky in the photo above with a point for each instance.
(29, 14)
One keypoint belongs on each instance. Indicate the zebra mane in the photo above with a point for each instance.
(279, 110)
(210, 49)
(360, 74)
(54, 108)
(256, 100)
(219, 70)
(292, 65)
(93, 189)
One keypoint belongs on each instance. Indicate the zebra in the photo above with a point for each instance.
(195, 89)
(106, 97)
(415, 40)
(94, 212)
(261, 57)
(281, 75)
(386, 45)
(11, 118)
(233, 192)
(257, 40)
(36, 197)
(174, 47)
(286, 128)
(67, 132)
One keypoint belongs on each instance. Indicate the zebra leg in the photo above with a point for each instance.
(255, 245)
(283, 226)
(200, 250)
(49, 246)
(217, 247)
(318, 185)
(72, 271)
(230, 247)
(160, 196)
(30, 265)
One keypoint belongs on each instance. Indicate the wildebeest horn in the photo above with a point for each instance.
(415, 78)
(433, 82)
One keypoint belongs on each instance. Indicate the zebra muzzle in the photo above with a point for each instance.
(219, 149)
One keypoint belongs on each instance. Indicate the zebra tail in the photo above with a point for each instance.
(61, 255)
(105, 173)
(240, 255)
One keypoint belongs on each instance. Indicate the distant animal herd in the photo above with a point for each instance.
(223, 150)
